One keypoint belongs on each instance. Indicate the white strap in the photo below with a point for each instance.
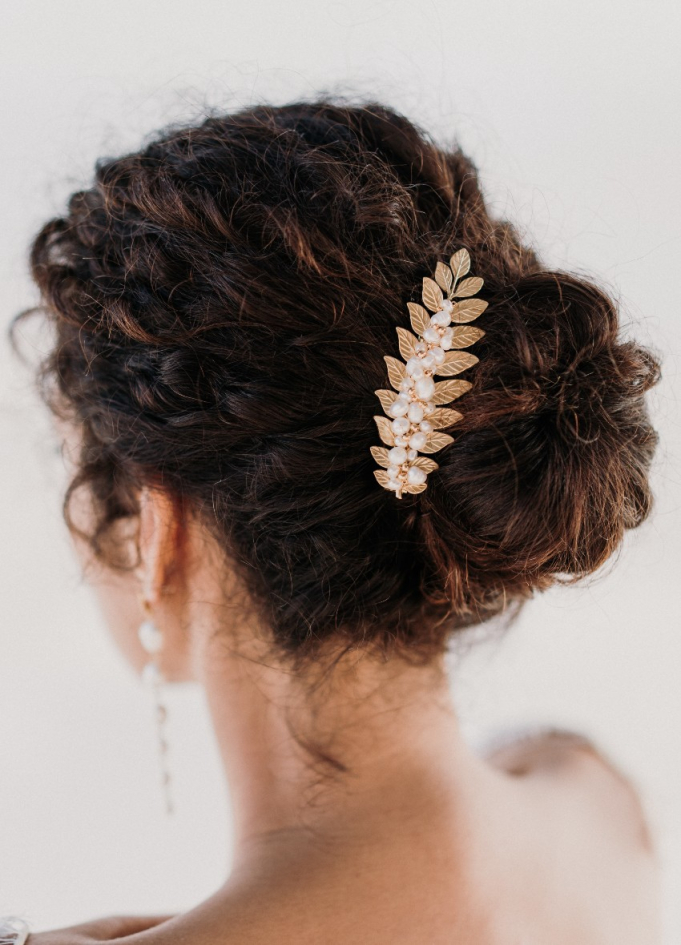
(13, 930)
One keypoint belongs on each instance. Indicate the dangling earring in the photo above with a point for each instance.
(151, 638)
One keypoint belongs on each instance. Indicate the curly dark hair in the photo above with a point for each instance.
(223, 299)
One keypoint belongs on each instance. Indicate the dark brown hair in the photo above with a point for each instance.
(223, 300)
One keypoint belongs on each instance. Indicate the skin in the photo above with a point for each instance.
(407, 837)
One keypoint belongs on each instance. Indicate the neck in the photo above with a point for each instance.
(335, 753)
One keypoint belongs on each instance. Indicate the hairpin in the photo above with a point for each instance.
(414, 408)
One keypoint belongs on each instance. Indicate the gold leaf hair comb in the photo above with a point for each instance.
(414, 408)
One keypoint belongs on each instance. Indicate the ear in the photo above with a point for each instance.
(157, 537)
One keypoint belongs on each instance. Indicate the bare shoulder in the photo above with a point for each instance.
(592, 835)
(583, 767)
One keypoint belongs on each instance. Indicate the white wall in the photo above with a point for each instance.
(571, 111)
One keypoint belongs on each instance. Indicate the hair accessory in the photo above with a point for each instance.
(414, 406)
(151, 638)
(13, 930)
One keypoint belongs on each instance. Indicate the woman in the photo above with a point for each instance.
(223, 302)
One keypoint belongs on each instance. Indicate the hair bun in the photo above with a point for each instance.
(552, 459)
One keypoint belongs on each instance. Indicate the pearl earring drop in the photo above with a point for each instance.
(151, 639)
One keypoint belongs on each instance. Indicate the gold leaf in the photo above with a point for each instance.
(395, 371)
(444, 418)
(443, 276)
(432, 295)
(460, 263)
(455, 363)
(436, 441)
(466, 335)
(468, 287)
(380, 454)
(420, 319)
(415, 489)
(382, 477)
(385, 431)
(386, 397)
(469, 310)
(427, 465)
(450, 390)
(407, 343)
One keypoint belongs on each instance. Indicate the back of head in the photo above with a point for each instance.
(223, 301)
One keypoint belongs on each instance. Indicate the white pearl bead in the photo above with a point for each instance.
(397, 455)
(413, 364)
(431, 335)
(420, 348)
(425, 388)
(417, 440)
(412, 454)
(151, 675)
(415, 413)
(393, 472)
(428, 409)
(425, 426)
(429, 362)
(406, 384)
(447, 305)
(400, 441)
(401, 425)
(398, 407)
(416, 476)
(447, 339)
(150, 636)
(441, 319)
(438, 355)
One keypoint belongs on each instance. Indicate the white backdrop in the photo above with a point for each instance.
(571, 112)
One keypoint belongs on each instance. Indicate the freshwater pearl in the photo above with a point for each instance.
(400, 441)
(417, 441)
(438, 355)
(413, 364)
(150, 636)
(393, 472)
(426, 426)
(428, 409)
(431, 335)
(415, 413)
(447, 339)
(429, 362)
(398, 407)
(441, 319)
(406, 384)
(397, 455)
(425, 388)
(416, 476)
(401, 425)
(447, 305)
(420, 347)
(412, 454)
(151, 675)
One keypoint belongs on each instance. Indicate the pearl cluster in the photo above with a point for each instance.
(414, 420)
(414, 403)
